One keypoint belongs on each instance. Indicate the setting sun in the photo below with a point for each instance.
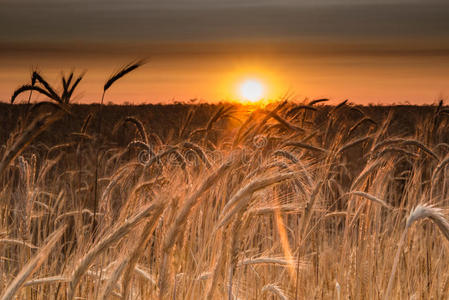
(252, 90)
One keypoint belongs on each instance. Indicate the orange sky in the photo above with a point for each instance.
(212, 72)
(367, 51)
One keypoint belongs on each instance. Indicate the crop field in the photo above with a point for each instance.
(221, 201)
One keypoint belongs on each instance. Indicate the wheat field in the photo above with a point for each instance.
(225, 201)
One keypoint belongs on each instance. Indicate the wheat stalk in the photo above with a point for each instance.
(17, 242)
(46, 280)
(134, 256)
(371, 198)
(267, 261)
(181, 218)
(112, 237)
(112, 281)
(33, 264)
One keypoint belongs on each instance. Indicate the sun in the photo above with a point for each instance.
(252, 90)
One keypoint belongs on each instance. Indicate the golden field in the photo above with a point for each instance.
(225, 201)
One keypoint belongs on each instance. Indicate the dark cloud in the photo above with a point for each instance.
(144, 22)
(204, 49)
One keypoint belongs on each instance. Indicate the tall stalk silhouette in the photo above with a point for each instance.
(114, 77)
(42, 121)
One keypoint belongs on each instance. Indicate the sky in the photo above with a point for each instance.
(366, 51)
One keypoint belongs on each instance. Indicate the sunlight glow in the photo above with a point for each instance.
(252, 90)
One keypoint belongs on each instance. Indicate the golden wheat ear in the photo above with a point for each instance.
(419, 212)
(154, 209)
(33, 264)
(275, 290)
(433, 213)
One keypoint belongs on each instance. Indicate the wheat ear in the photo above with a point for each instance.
(134, 257)
(33, 264)
(113, 279)
(30, 133)
(244, 195)
(180, 220)
(420, 212)
(275, 290)
(102, 245)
